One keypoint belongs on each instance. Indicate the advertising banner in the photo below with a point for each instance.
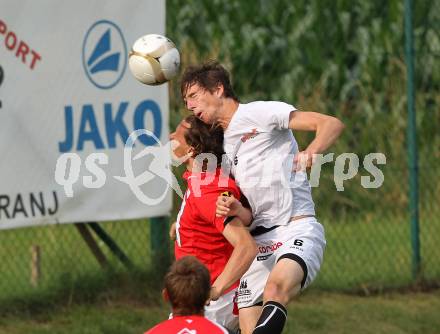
(68, 106)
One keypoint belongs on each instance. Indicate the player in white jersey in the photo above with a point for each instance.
(265, 163)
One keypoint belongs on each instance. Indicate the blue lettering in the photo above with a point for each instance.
(139, 120)
(88, 118)
(115, 125)
(66, 146)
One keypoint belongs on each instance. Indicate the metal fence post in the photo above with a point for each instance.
(412, 142)
(160, 244)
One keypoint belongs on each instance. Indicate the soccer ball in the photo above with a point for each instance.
(154, 59)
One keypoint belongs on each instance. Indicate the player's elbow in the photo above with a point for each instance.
(338, 125)
(247, 220)
(250, 249)
(246, 250)
(245, 216)
(254, 250)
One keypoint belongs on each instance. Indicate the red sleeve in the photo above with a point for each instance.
(232, 188)
(206, 204)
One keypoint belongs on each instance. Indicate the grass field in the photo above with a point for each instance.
(314, 312)
(352, 66)
(368, 254)
(65, 257)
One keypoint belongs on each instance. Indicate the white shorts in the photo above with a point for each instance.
(222, 311)
(301, 240)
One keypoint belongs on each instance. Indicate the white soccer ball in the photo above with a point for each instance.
(154, 59)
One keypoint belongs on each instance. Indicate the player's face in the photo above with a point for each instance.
(181, 151)
(203, 103)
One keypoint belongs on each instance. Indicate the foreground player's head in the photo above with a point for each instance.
(187, 286)
(204, 88)
(195, 137)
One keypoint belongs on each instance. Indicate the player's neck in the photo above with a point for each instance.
(183, 313)
(190, 164)
(194, 167)
(229, 108)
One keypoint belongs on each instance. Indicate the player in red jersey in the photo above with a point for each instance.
(222, 244)
(187, 288)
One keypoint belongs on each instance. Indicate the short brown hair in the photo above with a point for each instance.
(188, 285)
(208, 76)
(204, 138)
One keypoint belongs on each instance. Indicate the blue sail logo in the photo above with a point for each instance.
(99, 55)
(104, 54)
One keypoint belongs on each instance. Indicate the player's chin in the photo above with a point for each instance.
(178, 159)
(205, 118)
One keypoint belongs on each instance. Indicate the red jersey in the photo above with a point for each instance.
(192, 324)
(198, 231)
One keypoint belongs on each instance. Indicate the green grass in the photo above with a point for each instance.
(375, 252)
(371, 252)
(363, 255)
(312, 313)
(65, 257)
(346, 59)
(342, 58)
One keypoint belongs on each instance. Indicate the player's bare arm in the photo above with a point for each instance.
(232, 207)
(245, 250)
(172, 232)
(327, 128)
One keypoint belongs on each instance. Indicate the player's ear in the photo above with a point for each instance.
(219, 90)
(165, 296)
(191, 152)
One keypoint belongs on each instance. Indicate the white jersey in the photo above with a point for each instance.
(261, 147)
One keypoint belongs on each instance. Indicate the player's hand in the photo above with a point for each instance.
(303, 160)
(172, 232)
(214, 295)
(228, 206)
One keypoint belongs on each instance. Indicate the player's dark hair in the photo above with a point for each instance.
(204, 138)
(188, 285)
(208, 76)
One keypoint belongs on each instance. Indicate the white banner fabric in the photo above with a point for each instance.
(67, 97)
